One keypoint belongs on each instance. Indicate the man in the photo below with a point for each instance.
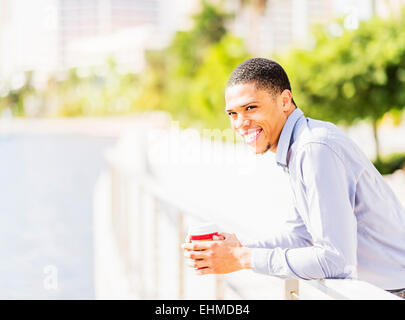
(346, 222)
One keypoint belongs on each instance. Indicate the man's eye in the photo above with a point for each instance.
(231, 113)
(251, 107)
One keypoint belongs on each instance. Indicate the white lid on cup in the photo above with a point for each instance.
(203, 228)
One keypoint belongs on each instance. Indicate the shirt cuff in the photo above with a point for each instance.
(259, 260)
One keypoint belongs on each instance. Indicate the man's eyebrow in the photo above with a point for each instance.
(245, 105)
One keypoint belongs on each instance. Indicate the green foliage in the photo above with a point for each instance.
(206, 94)
(350, 75)
(95, 94)
(17, 95)
(78, 92)
(179, 79)
(359, 74)
(391, 163)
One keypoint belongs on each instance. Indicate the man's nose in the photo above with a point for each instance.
(241, 122)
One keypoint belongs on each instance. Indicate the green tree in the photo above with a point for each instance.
(170, 75)
(207, 93)
(16, 96)
(351, 74)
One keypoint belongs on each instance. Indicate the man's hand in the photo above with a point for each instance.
(224, 254)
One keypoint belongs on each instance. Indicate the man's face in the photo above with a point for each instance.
(257, 115)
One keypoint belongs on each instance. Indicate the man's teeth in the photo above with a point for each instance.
(252, 136)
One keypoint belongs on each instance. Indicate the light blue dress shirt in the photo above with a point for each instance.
(346, 222)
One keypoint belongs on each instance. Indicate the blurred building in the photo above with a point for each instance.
(4, 14)
(27, 37)
(91, 31)
(279, 24)
(275, 25)
(385, 7)
(49, 35)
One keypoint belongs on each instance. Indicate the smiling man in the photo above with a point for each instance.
(346, 222)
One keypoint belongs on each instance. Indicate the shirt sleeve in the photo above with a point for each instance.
(328, 189)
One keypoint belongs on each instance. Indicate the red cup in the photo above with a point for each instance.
(203, 232)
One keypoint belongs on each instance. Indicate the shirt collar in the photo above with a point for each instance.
(285, 137)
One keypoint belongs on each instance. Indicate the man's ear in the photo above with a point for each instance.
(286, 99)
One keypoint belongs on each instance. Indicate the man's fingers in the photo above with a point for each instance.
(195, 255)
(197, 264)
(190, 263)
(203, 271)
(196, 246)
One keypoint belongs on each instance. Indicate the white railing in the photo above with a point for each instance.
(149, 220)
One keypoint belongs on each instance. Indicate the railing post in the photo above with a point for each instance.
(155, 240)
(115, 203)
(119, 214)
(180, 253)
(220, 285)
(291, 289)
(140, 237)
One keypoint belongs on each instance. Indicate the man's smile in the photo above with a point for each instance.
(250, 136)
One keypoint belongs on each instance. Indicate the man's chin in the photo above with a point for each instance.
(260, 149)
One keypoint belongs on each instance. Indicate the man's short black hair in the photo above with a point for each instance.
(264, 73)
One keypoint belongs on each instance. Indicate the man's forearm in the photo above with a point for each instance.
(284, 240)
(314, 262)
